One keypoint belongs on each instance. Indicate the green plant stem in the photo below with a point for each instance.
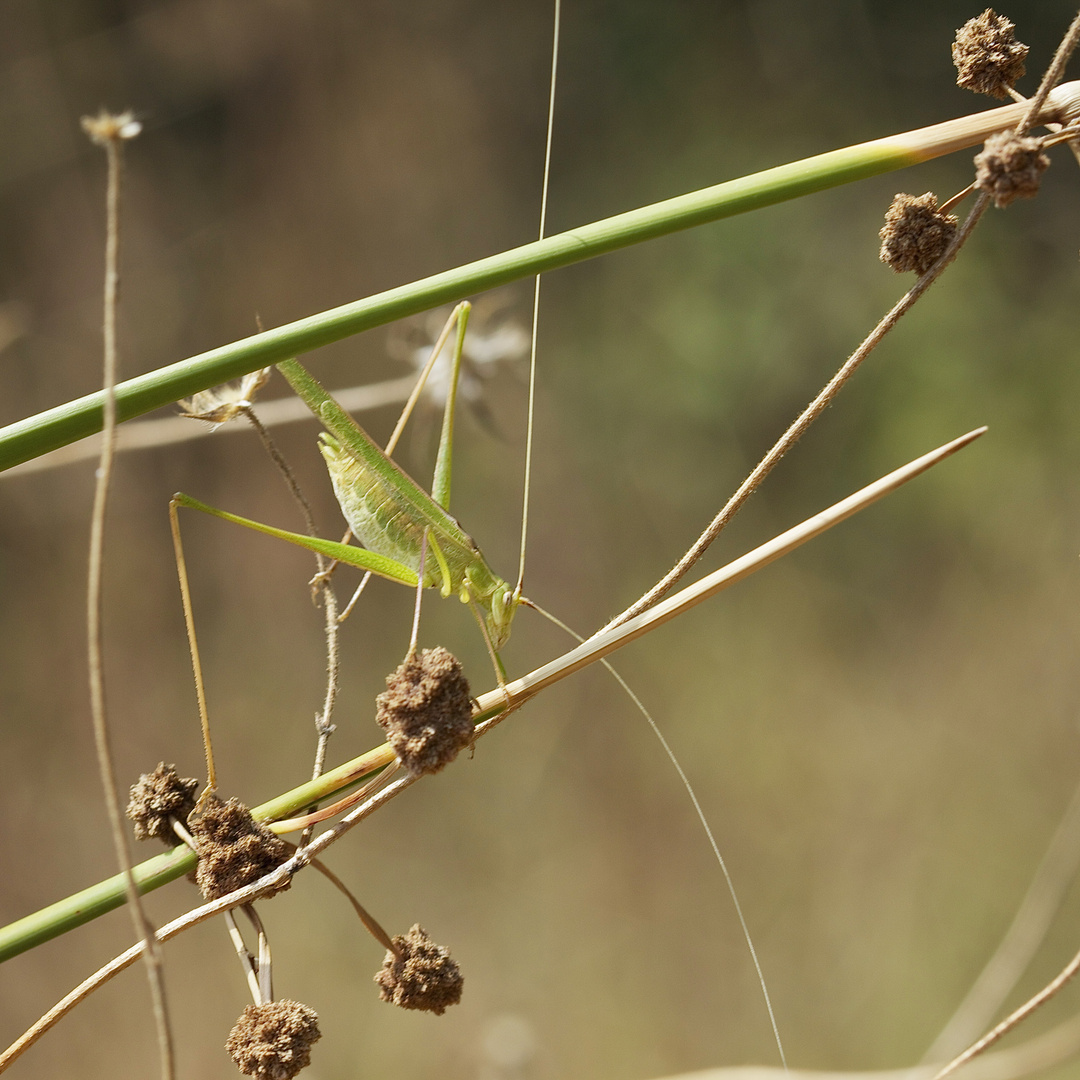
(77, 419)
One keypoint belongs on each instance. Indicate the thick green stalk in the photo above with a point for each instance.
(74, 420)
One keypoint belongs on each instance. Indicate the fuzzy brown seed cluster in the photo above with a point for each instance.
(424, 976)
(273, 1041)
(156, 799)
(988, 58)
(426, 711)
(234, 850)
(1010, 166)
(916, 233)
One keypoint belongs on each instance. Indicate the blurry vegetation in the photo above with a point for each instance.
(882, 728)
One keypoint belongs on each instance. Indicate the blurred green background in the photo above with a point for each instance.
(881, 728)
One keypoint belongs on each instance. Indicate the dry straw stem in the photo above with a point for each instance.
(77, 419)
(606, 641)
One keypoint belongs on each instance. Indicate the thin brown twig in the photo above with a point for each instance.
(801, 424)
(110, 132)
(371, 924)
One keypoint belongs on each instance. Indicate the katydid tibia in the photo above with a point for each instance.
(405, 530)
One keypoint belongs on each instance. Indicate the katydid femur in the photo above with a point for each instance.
(406, 531)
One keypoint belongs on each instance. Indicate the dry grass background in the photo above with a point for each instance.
(882, 728)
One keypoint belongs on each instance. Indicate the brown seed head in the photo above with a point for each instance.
(273, 1041)
(426, 711)
(234, 850)
(424, 976)
(156, 798)
(915, 234)
(1010, 166)
(988, 58)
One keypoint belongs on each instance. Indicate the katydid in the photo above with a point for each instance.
(393, 516)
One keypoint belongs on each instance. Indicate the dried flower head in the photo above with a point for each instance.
(423, 976)
(916, 233)
(221, 404)
(234, 850)
(426, 711)
(1010, 166)
(109, 127)
(988, 58)
(156, 799)
(273, 1041)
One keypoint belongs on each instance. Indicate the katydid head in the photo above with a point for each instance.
(502, 604)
